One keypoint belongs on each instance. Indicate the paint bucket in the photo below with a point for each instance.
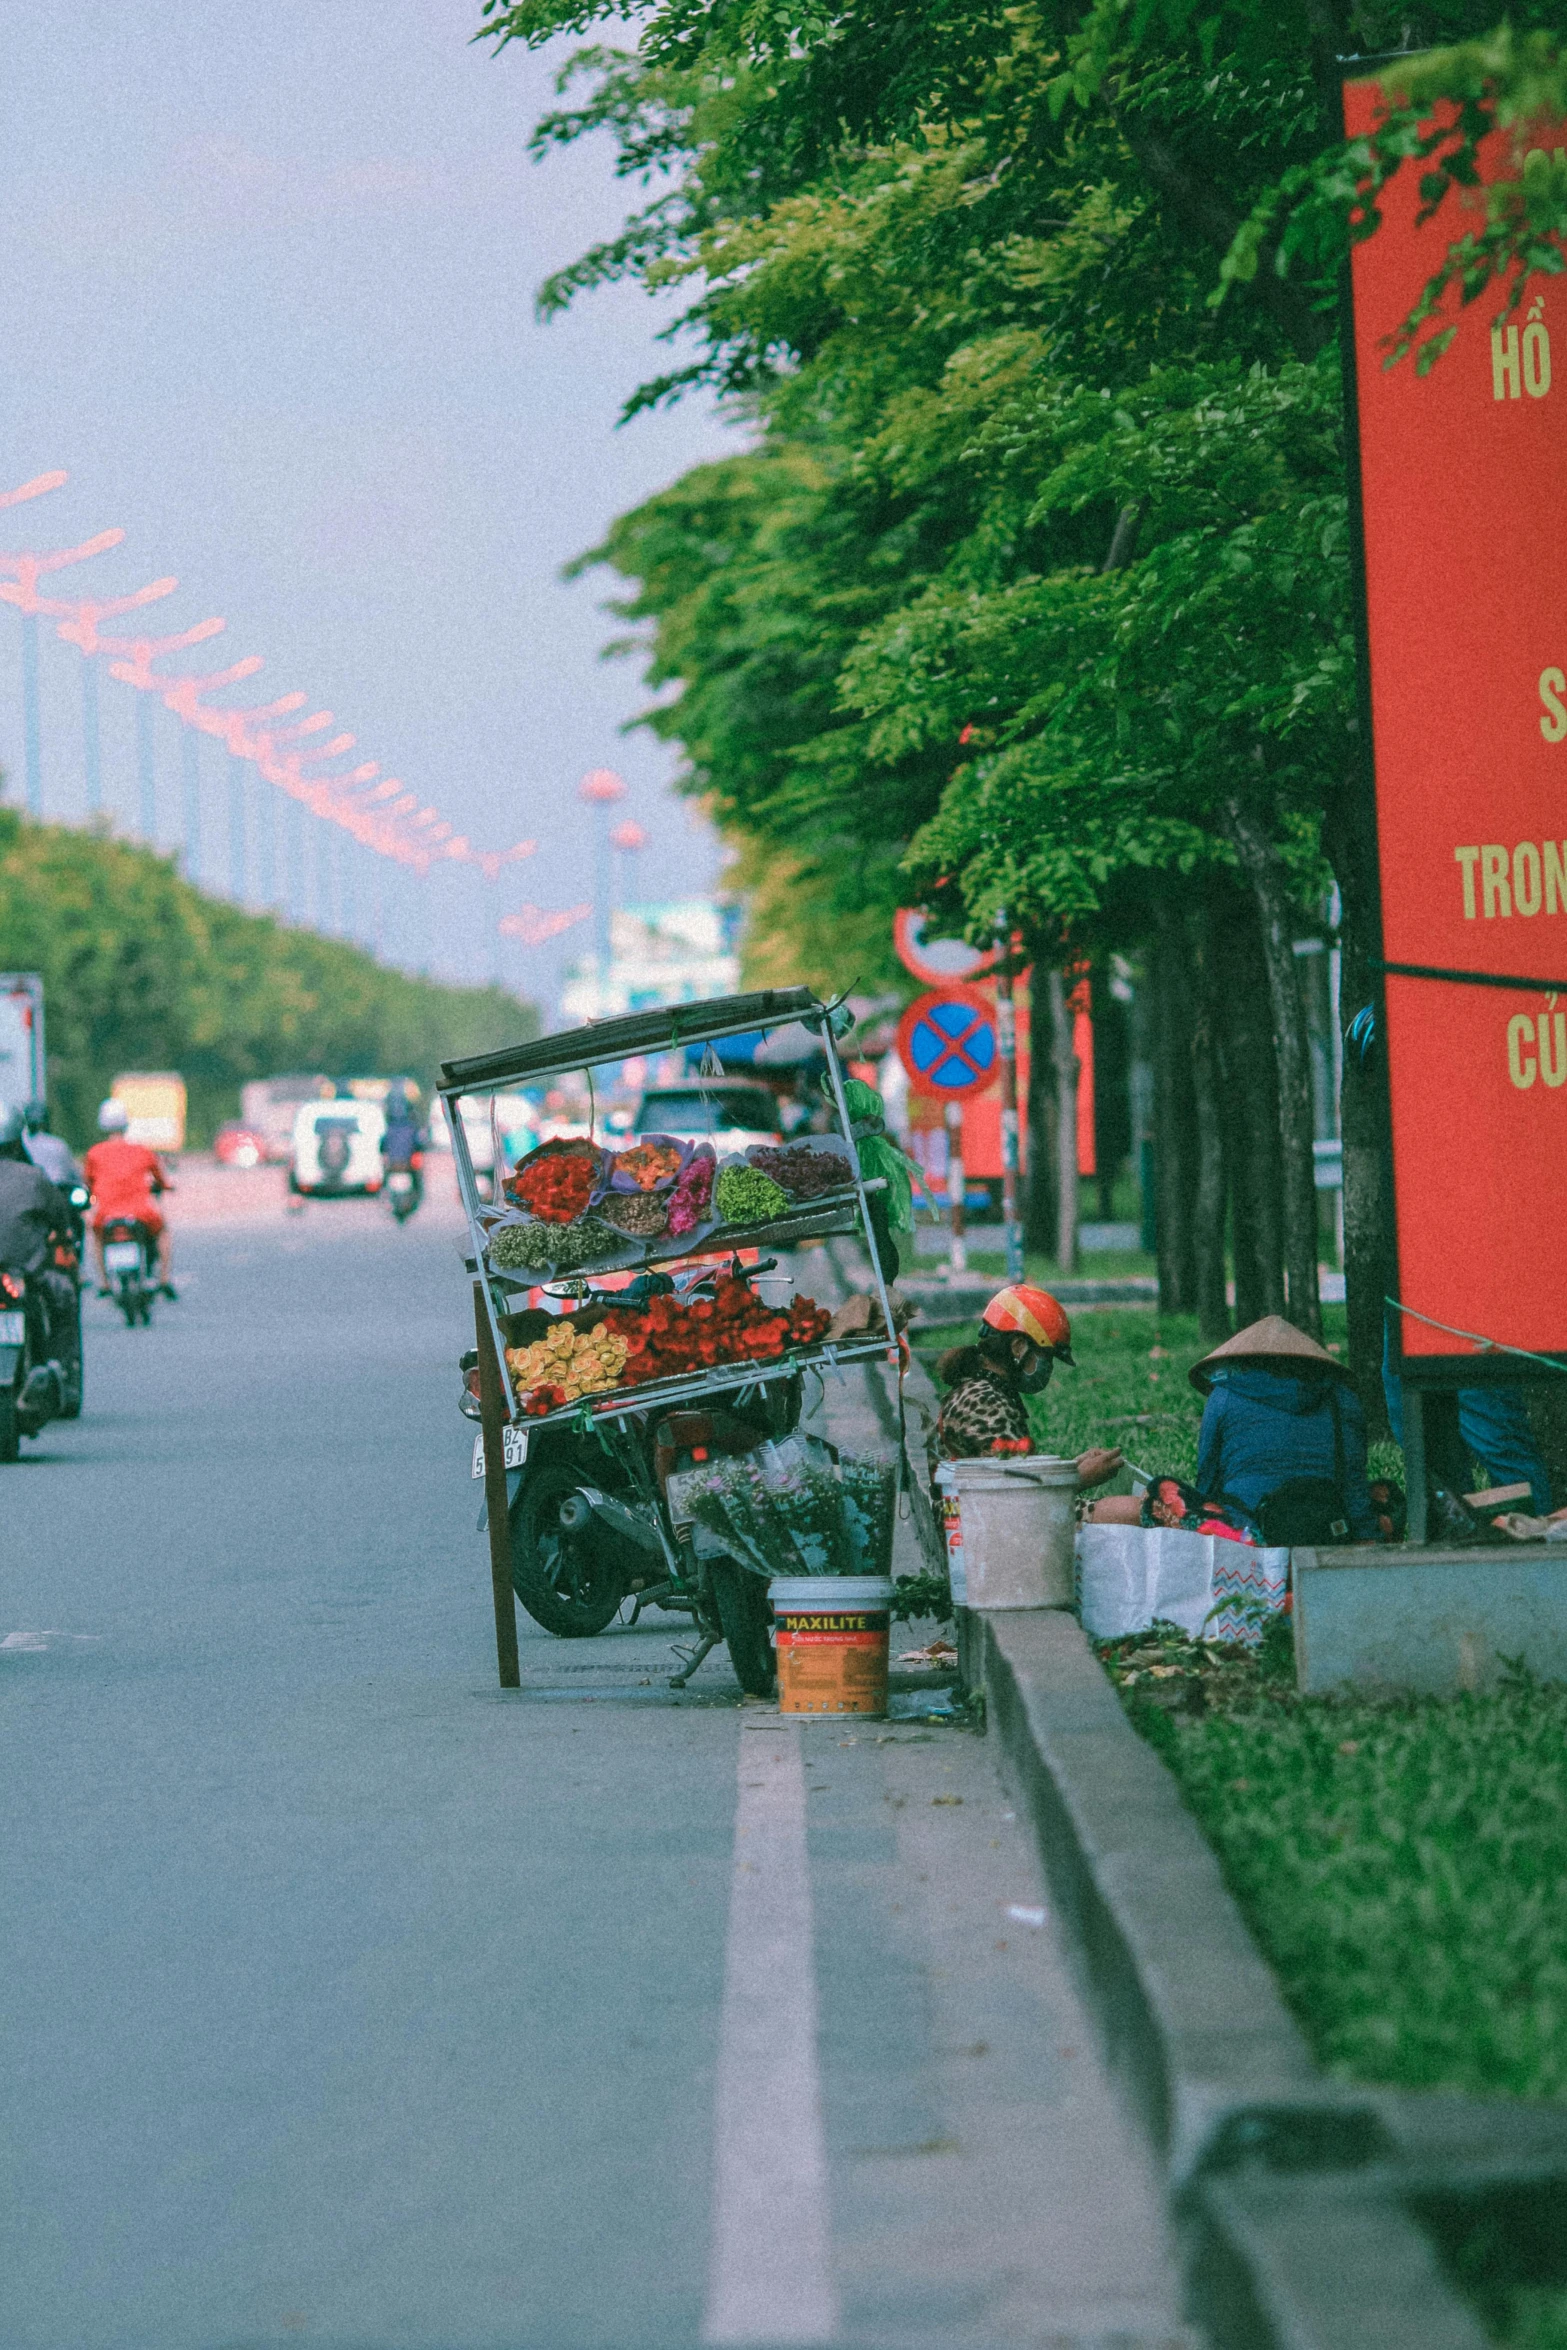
(1010, 1522)
(832, 1643)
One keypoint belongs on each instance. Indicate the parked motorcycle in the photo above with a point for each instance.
(130, 1269)
(32, 1378)
(599, 1517)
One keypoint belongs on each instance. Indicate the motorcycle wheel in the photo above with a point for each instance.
(10, 1430)
(746, 1615)
(75, 1373)
(572, 1585)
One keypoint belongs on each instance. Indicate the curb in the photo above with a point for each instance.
(1292, 2195)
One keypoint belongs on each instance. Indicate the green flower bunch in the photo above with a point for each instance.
(552, 1248)
(742, 1196)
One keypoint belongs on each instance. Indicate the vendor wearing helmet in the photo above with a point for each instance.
(1023, 1334)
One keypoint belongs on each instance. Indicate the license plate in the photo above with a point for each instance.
(122, 1256)
(402, 1183)
(13, 1329)
(514, 1447)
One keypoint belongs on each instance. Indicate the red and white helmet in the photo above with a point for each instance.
(1032, 1314)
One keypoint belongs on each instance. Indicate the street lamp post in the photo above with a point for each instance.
(146, 773)
(32, 755)
(92, 756)
(626, 839)
(601, 787)
(190, 777)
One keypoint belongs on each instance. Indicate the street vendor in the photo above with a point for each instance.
(1023, 1334)
(1281, 1454)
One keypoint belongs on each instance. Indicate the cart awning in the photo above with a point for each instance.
(638, 1032)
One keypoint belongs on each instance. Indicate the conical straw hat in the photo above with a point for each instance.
(1271, 1338)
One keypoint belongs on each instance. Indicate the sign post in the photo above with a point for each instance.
(949, 1047)
(1463, 492)
(1006, 1031)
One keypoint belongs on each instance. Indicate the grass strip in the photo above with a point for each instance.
(1403, 1866)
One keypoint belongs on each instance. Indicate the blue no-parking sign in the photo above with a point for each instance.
(947, 1043)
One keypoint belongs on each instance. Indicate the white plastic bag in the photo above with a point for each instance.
(1129, 1575)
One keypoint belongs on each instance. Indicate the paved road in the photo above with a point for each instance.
(348, 2002)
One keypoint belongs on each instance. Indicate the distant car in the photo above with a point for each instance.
(239, 1145)
(731, 1117)
(337, 1149)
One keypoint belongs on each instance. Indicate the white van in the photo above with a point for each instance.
(337, 1149)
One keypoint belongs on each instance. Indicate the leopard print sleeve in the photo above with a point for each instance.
(974, 1415)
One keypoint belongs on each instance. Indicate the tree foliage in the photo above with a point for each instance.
(142, 971)
(1033, 590)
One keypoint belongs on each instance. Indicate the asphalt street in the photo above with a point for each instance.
(350, 2002)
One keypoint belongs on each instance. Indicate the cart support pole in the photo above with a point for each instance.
(492, 1420)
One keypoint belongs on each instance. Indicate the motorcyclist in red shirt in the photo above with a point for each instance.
(125, 1179)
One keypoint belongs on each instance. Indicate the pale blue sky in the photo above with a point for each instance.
(267, 269)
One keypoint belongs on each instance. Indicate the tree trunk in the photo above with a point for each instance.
(1065, 1062)
(1112, 1091)
(1213, 1313)
(1252, 1086)
(1370, 1256)
(1293, 1051)
(1174, 1134)
(1039, 1212)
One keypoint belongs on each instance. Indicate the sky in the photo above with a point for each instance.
(268, 273)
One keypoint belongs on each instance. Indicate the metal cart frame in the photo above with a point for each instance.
(585, 1049)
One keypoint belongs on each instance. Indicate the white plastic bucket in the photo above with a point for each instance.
(832, 1642)
(1010, 1522)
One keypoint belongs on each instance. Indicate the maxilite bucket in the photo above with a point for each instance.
(832, 1643)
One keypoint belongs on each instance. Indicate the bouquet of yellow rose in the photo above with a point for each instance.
(574, 1362)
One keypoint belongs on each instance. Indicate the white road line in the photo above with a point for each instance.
(770, 2265)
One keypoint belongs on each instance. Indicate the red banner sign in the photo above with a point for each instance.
(1464, 488)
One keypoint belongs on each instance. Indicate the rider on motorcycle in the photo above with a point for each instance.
(125, 1179)
(403, 1138)
(48, 1151)
(34, 1215)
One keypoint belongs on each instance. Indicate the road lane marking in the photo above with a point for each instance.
(770, 2262)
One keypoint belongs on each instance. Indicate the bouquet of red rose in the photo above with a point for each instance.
(666, 1339)
(556, 1182)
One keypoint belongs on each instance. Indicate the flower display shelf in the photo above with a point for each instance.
(818, 1219)
(656, 1395)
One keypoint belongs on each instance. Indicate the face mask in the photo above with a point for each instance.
(1037, 1375)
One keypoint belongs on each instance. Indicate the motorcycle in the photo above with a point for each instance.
(598, 1517)
(130, 1269)
(404, 1186)
(32, 1378)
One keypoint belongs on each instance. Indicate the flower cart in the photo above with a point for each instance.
(622, 1346)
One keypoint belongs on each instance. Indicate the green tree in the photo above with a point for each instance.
(1037, 573)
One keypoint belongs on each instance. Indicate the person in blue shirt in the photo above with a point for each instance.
(1269, 1418)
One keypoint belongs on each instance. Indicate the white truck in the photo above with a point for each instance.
(22, 1065)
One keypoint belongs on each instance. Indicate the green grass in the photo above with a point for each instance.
(1404, 1865)
(1110, 1264)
